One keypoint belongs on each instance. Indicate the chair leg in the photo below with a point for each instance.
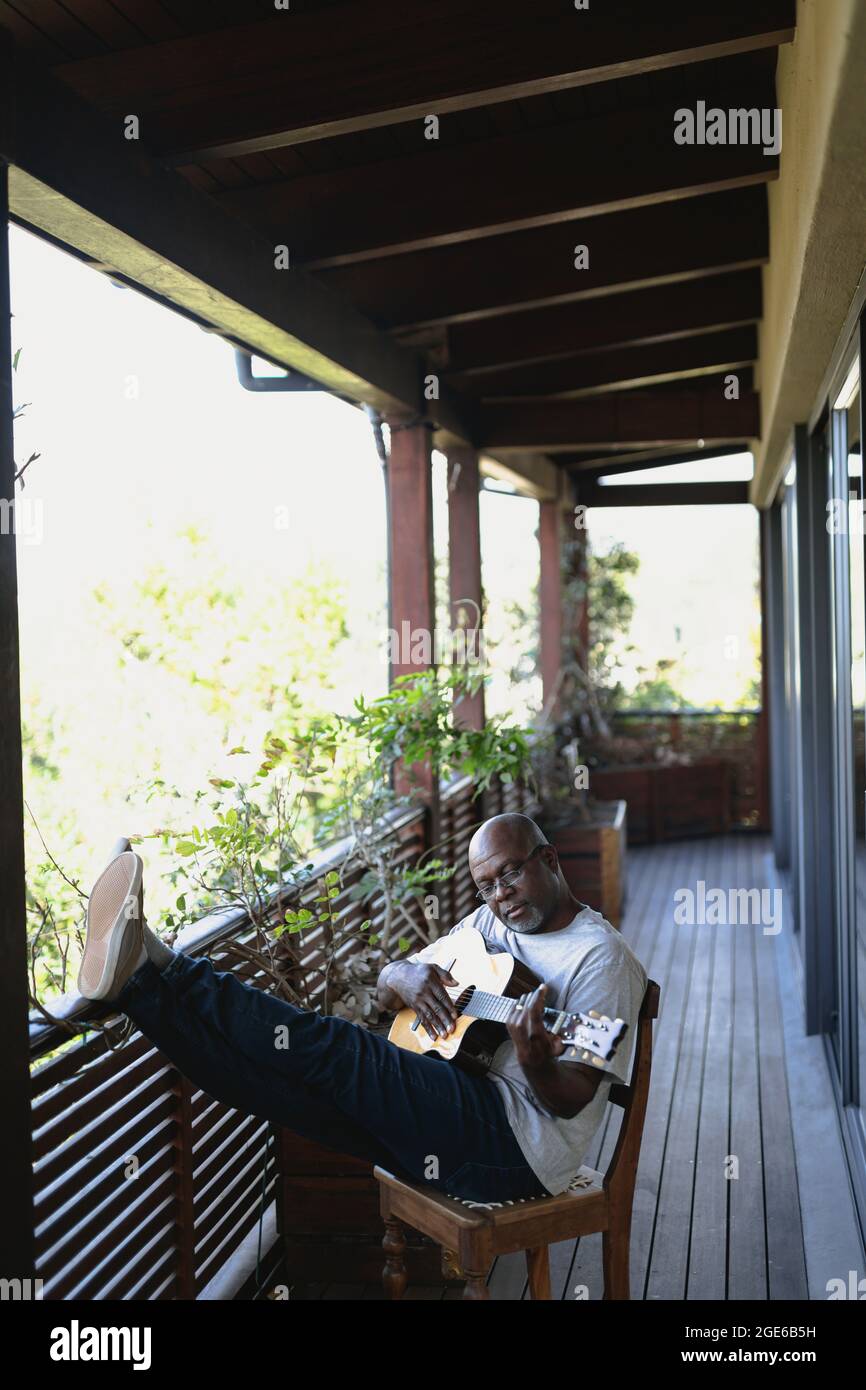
(476, 1284)
(615, 1259)
(395, 1276)
(538, 1269)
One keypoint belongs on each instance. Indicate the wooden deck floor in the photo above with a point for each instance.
(720, 1087)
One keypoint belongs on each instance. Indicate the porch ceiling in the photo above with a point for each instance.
(453, 256)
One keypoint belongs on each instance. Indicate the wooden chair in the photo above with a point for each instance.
(473, 1236)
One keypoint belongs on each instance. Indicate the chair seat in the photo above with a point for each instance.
(585, 1180)
(507, 1226)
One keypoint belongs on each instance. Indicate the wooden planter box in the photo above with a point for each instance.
(328, 1219)
(593, 859)
(670, 803)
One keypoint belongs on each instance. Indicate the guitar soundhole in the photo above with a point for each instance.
(463, 999)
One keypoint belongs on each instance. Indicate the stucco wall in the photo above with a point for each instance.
(817, 220)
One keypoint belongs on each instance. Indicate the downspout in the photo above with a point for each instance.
(376, 421)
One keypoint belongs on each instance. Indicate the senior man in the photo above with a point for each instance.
(520, 1131)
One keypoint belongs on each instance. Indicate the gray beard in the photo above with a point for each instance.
(531, 923)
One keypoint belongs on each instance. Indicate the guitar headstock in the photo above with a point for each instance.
(591, 1038)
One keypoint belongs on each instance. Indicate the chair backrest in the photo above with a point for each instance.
(619, 1179)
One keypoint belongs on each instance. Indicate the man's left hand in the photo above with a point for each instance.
(534, 1045)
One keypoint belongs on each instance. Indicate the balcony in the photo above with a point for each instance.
(451, 275)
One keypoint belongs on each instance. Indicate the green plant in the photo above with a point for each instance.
(412, 725)
(242, 850)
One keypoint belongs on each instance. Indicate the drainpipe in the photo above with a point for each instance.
(292, 381)
(376, 421)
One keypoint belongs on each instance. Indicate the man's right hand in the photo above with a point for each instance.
(423, 988)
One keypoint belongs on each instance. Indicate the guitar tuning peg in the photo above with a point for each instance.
(593, 1014)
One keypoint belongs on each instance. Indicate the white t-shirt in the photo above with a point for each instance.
(586, 965)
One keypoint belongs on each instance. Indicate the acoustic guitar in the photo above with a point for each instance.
(490, 983)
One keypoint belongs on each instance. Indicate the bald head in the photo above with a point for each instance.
(509, 831)
(514, 847)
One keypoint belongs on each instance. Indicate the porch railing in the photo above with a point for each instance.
(737, 736)
(145, 1187)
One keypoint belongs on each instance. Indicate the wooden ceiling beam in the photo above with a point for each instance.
(619, 161)
(298, 77)
(525, 270)
(589, 464)
(643, 419)
(537, 338)
(667, 495)
(631, 368)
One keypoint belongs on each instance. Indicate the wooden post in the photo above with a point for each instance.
(564, 624)
(17, 1176)
(464, 563)
(412, 611)
(550, 586)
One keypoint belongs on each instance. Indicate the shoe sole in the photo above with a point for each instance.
(114, 927)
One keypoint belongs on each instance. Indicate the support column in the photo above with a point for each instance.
(550, 595)
(17, 1177)
(464, 563)
(412, 612)
(563, 597)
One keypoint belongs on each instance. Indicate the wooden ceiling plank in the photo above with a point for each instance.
(631, 368)
(523, 270)
(442, 58)
(66, 30)
(643, 316)
(29, 37)
(634, 418)
(592, 465)
(151, 19)
(115, 28)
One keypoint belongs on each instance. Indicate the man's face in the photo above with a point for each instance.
(528, 904)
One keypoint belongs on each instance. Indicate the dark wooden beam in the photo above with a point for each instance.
(550, 528)
(665, 495)
(76, 177)
(524, 270)
(411, 599)
(645, 419)
(629, 368)
(625, 159)
(479, 353)
(589, 465)
(17, 1161)
(464, 574)
(304, 77)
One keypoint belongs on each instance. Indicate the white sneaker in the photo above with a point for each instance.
(114, 946)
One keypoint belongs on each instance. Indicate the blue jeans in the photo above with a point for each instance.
(330, 1081)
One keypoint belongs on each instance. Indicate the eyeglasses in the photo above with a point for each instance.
(506, 880)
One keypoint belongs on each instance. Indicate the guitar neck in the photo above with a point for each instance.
(498, 1009)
